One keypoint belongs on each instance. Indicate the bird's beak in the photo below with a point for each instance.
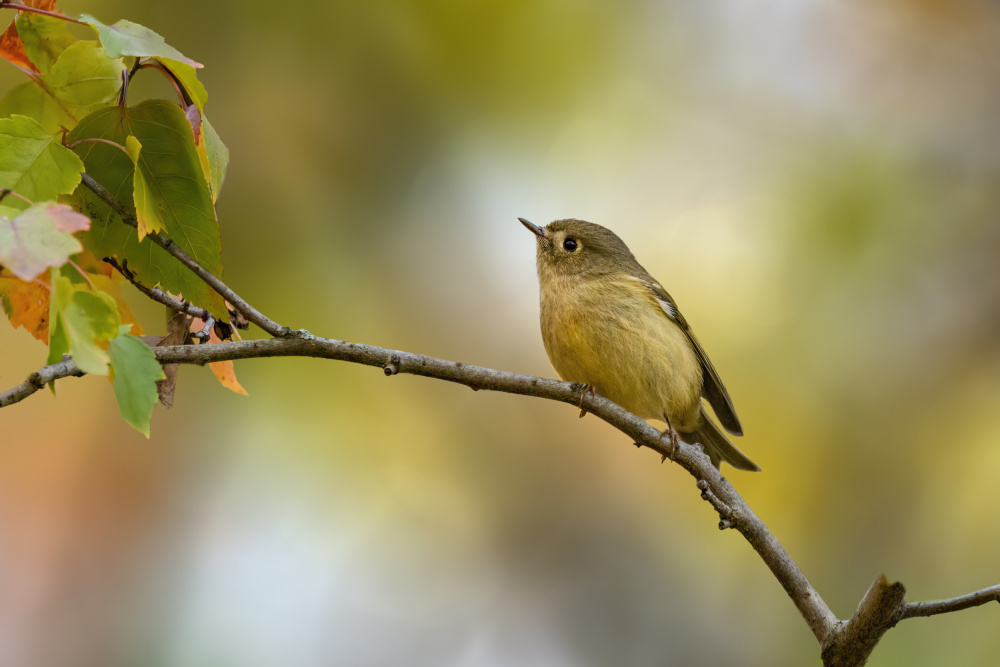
(533, 228)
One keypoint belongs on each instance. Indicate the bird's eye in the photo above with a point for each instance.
(569, 245)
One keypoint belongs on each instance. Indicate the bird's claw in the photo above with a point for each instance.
(674, 443)
(583, 394)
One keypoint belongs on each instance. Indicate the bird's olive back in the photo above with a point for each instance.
(576, 247)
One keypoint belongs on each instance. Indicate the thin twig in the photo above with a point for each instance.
(725, 513)
(206, 331)
(34, 10)
(160, 296)
(251, 313)
(917, 609)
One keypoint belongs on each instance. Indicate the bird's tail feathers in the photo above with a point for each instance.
(718, 447)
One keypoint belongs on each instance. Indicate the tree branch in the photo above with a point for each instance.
(739, 515)
(38, 380)
(244, 308)
(817, 614)
(843, 643)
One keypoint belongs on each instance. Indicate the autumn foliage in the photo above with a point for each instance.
(161, 159)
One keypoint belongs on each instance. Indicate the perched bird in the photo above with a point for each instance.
(608, 324)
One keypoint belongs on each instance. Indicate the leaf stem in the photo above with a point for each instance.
(181, 93)
(82, 273)
(127, 80)
(4, 4)
(99, 140)
(8, 191)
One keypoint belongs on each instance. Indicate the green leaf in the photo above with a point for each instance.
(176, 187)
(33, 163)
(125, 38)
(28, 99)
(135, 370)
(84, 79)
(44, 38)
(147, 214)
(42, 236)
(81, 321)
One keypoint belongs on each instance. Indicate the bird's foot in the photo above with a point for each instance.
(583, 394)
(674, 440)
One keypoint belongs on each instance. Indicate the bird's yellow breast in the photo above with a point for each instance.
(613, 335)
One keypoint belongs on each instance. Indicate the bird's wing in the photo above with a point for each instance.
(712, 387)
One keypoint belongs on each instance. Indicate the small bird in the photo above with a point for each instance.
(608, 324)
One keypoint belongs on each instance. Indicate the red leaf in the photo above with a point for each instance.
(68, 220)
(194, 117)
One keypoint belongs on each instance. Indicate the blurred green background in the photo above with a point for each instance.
(815, 182)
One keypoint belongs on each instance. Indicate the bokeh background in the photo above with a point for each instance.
(816, 182)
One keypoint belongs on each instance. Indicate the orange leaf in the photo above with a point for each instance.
(11, 46)
(224, 371)
(27, 304)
